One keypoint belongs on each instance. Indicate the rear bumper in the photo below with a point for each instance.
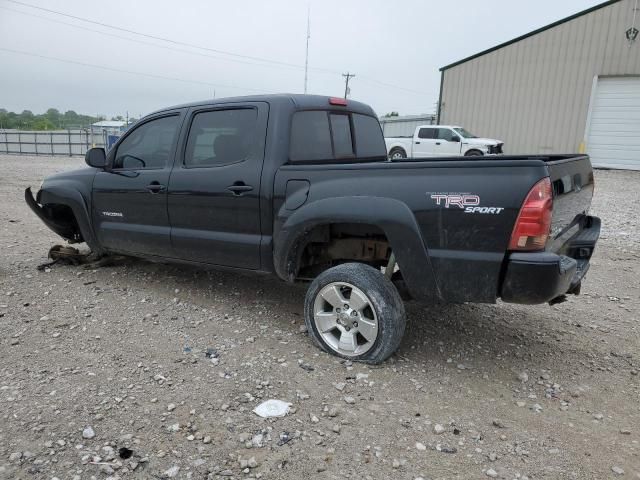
(539, 277)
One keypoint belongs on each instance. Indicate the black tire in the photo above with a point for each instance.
(398, 153)
(473, 153)
(383, 298)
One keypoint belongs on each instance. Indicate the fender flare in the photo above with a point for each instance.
(393, 217)
(79, 206)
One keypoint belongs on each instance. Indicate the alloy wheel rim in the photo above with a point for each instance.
(345, 319)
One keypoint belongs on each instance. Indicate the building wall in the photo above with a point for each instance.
(404, 126)
(534, 94)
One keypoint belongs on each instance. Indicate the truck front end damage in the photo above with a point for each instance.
(59, 218)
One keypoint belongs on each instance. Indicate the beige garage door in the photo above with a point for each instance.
(613, 138)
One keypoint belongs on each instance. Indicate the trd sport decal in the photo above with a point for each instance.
(466, 201)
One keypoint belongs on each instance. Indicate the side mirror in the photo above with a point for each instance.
(455, 139)
(96, 158)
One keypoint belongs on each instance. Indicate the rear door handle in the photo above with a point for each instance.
(239, 188)
(155, 187)
(417, 143)
(437, 143)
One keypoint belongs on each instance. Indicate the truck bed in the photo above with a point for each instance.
(467, 251)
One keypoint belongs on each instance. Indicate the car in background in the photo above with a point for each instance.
(441, 141)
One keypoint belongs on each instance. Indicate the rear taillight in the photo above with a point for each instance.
(534, 220)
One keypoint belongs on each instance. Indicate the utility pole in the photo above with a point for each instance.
(306, 57)
(347, 76)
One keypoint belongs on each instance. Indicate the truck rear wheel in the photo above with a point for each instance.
(353, 311)
(397, 154)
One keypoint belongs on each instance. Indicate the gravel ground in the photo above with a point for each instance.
(145, 370)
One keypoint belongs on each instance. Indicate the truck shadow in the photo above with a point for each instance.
(472, 336)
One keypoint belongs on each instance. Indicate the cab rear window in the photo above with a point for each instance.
(326, 136)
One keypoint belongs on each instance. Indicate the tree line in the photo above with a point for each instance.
(52, 119)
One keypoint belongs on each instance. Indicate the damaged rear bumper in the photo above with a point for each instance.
(540, 277)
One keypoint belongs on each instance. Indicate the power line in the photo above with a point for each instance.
(162, 39)
(119, 70)
(142, 42)
(264, 61)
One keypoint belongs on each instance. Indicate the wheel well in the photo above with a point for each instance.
(474, 151)
(396, 149)
(330, 245)
(63, 215)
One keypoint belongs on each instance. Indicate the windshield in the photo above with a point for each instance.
(464, 133)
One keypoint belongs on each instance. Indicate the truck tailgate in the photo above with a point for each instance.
(572, 183)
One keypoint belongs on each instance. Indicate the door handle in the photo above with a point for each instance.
(437, 143)
(155, 187)
(417, 143)
(239, 188)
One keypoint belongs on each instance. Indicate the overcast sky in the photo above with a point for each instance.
(394, 48)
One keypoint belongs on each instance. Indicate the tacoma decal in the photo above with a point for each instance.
(468, 202)
(112, 214)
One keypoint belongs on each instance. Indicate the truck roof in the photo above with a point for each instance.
(296, 100)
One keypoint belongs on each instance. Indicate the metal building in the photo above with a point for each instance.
(405, 125)
(572, 86)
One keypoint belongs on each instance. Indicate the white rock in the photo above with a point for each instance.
(523, 377)
(491, 473)
(171, 407)
(272, 408)
(15, 456)
(617, 470)
(172, 472)
(350, 400)
(88, 432)
(438, 429)
(421, 446)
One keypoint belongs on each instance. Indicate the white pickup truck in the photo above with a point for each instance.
(439, 141)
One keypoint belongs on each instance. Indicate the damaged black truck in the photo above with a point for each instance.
(300, 186)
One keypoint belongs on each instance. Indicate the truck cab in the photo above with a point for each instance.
(441, 141)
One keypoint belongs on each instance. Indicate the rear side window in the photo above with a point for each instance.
(310, 137)
(323, 135)
(220, 137)
(427, 133)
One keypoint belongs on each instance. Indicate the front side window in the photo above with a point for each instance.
(149, 145)
(445, 134)
(427, 133)
(221, 137)
(464, 133)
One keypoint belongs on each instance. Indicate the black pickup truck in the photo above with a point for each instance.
(300, 186)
